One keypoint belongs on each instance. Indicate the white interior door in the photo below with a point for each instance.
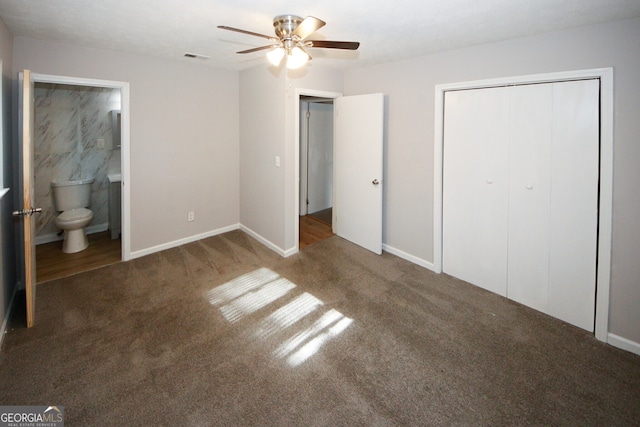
(358, 148)
(475, 180)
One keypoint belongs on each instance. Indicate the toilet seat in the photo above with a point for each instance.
(74, 215)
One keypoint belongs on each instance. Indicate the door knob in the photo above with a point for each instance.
(27, 212)
(529, 187)
(375, 182)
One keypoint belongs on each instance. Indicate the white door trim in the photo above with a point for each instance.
(304, 164)
(606, 172)
(296, 120)
(124, 143)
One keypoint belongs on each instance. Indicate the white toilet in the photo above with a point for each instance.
(72, 199)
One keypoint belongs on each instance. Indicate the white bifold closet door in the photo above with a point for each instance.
(475, 194)
(520, 194)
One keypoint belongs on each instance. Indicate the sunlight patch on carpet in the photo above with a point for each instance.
(288, 313)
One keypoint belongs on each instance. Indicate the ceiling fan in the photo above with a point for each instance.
(291, 40)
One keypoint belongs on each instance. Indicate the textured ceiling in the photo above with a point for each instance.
(387, 29)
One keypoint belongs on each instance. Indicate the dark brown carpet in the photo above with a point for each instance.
(225, 332)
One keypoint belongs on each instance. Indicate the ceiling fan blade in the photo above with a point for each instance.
(332, 44)
(251, 33)
(257, 49)
(307, 27)
(307, 53)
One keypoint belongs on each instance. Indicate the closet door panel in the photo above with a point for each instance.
(574, 202)
(529, 193)
(475, 187)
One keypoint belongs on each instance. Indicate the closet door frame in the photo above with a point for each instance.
(605, 203)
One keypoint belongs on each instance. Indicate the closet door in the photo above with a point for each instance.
(475, 173)
(553, 199)
(520, 196)
(574, 202)
(530, 126)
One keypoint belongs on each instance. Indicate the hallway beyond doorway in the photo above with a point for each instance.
(315, 227)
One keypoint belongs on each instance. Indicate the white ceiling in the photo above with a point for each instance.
(387, 29)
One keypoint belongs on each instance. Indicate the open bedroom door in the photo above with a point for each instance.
(27, 211)
(358, 148)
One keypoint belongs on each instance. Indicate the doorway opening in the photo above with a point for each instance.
(80, 133)
(315, 177)
(358, 135)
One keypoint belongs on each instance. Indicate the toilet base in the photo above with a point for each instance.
(75, 241)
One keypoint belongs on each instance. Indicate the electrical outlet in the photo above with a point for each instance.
(277, 161)
(191, 216)
(100, 143)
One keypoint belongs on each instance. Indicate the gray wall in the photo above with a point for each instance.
(184, 136)
(409, 86)
(268, 107)
(262, 135)
(7, 250)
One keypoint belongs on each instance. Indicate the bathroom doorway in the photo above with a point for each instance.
(77, 135)
(316, 169)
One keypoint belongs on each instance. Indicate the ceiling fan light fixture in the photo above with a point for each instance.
(296, 58)
(291, 39)
(275, 56)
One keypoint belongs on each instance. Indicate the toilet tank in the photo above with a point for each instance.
(72, 194)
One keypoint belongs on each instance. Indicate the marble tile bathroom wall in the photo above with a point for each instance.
(73, 140)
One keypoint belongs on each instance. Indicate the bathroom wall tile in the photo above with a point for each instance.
(42, 130)
(41, 101)
(63, 96)
(42, 189)
(92, 162)
(63, 131)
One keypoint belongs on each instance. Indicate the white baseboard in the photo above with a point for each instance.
(623, 343)
(53, 237)
(5, 321)
(411, 258)
(291, 251)
(190, 239)
(265, 242)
